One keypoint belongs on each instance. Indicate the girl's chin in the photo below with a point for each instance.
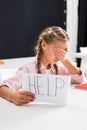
(54, 62)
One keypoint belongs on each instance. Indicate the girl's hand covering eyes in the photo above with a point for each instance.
(60, 53)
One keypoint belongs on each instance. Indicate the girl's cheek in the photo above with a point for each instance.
(55, 55)
(54, 49)
(54, 52)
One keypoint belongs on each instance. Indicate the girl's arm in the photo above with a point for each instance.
(76, 74)
(10, 88)
(70, 67)
(18, 98)
(61, 55)
(67, 68)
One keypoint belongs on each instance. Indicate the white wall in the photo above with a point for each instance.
(72, 24)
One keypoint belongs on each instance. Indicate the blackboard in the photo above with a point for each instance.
(21, 21)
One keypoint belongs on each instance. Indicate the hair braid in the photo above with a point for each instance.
(39, 52)
(56, 68)
(38, 63)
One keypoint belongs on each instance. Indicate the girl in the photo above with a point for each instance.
(51, 50)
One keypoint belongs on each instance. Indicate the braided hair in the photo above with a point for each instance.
(49, 35)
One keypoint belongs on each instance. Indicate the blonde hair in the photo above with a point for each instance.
(49, 35)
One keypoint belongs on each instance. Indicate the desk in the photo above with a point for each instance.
(15, 62)
(36, 116)
(8, 69)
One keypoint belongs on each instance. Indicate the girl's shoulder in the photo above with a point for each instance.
(31, 61)
(30, 66)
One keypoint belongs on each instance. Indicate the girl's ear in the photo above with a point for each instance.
(43, 44)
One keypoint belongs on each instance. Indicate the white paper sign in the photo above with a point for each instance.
(47, 88)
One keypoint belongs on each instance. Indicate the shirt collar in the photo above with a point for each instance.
(43, 69)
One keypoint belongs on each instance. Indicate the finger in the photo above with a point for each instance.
(27, 98)
(22, 102)
(27, 93)
(60, 50)
(60, 54)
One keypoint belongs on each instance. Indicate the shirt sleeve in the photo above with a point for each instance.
(75, 78)
(15, 83)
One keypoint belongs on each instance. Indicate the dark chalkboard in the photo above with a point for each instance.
(21, 22)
